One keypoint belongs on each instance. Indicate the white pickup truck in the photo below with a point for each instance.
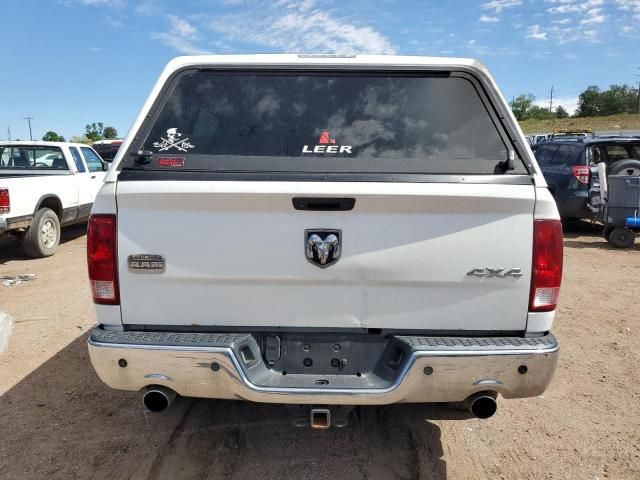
(43, 186)
(325, 231)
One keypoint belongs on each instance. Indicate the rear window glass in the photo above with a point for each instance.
(567, 155)
(544, 154)
(616, 152)
(351, 123)
(32, 158)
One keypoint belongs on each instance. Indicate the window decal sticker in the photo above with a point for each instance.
(171, 162)
(327, 145)
(173, 140)
(324, 138)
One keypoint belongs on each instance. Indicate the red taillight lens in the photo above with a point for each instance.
(581, 172)
(5, 200)
(102, 259)
(546, 274)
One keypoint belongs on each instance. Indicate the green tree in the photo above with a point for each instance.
(590, 102)
(594, 102)
(522, 105)
(110, 132)
(561, 112)
(94, 131)
(540, 113)
(618, 99)
(52, 136)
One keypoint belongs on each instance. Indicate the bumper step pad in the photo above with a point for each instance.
(420, 343)
(169, 339)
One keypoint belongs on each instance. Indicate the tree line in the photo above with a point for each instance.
(592, 102)
(93, 133)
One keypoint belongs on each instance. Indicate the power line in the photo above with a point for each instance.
(28, 119)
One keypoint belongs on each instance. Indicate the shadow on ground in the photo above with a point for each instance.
(62, 422)
(581, 228)
(11, 247)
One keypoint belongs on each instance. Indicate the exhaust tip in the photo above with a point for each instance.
(482, 405)
(158, 399)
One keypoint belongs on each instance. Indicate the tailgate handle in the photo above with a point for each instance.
(323, 204)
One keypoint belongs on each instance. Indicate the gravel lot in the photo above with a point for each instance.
(57, 420)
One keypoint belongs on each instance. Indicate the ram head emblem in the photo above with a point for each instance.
(323, 247)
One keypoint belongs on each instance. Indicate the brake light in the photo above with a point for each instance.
(546, 274)
(582, 173)
(5, 200)
(102, 259)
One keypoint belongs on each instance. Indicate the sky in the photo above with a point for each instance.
(67, 63)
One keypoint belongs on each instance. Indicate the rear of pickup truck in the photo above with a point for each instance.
(325, 231)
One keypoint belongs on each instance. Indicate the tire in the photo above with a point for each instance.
(627, 166)
(622, 237)
(43, 236)
(606, 232)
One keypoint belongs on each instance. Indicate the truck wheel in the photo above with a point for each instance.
(622, 237)
(43, 236)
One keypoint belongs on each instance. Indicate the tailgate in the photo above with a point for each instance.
(235, 255)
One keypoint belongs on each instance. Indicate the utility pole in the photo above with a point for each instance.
(551, 101)
(9, 133)
(28, 119)
(638, 101)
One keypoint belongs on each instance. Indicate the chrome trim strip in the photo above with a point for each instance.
(158, 376)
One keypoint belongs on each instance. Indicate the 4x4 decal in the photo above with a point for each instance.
(495, 272)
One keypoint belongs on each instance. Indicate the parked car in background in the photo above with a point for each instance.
(569, 166)
(325, 249)
(538, 138)
(107, 148)
(43, 186)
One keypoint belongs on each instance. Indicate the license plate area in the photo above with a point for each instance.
(322, 353)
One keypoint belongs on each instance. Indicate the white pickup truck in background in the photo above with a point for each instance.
(43, 186)
(325, 231)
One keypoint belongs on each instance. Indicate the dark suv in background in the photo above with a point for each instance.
(107, 148)
(569, 166)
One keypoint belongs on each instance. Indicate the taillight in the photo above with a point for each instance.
(102, 259)
(581, 172)
(546, 274)
(5, 200)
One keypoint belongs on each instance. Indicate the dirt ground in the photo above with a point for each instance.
(57, 420)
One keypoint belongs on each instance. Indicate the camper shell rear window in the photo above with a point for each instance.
(323, 122)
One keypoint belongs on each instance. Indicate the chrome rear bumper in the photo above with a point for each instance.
(436, 369)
